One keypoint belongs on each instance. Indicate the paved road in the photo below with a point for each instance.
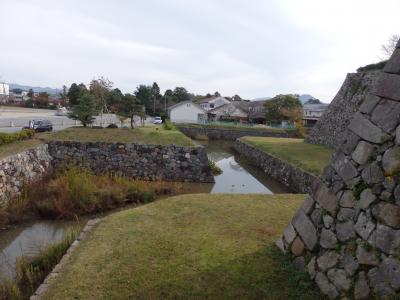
(13, 119)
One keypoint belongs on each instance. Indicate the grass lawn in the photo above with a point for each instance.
(188, 247)
(145, 135)
(309, 157)
(240, 127)
(19, 146)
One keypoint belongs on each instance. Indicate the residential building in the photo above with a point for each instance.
(256, 111)
(312, 113)
(212, 102)
(4, 89)
(227, 112)
(18, 95)
(187, 112)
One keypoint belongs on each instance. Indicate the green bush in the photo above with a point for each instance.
(168, 125)
(8, 138)
(215, 170)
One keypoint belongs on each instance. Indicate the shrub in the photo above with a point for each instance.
(168, 125)
(8, 138)
(215, 170)
(77, 191)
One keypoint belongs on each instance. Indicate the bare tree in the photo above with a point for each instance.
(100, 89)
(390, 46)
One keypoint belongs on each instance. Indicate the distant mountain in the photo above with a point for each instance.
(261, 99)
(36, 89)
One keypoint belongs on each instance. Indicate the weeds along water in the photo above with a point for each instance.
(30, 271)
(76, 191)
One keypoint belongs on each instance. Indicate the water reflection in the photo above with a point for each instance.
(27, 240)
(238, 176)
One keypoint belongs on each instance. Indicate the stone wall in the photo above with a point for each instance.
(333, 123)
(294, 178)
(145, 162)
(21, 168)
(226, 133)
(346, 235)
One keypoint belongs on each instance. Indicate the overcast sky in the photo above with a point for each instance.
(253, 48)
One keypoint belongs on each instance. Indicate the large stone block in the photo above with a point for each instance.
(347, 199)
(372, 174)
(328, 239)
(325, 286)
(364, 225)
(328, 260)
(365, 257)
(308, 204)
(361, 288)
(386, 115)
(305, 229)
(393, 65)
(387, 213)
(369, 103)
(366, 199)
(325, 198)
(391, 161)
(289, 234)
(366, 130)
(386, 239)
(343, 166)
(345, 231)
(363, 152)
(388, 86)
(339, 278)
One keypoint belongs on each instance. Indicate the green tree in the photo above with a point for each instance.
(280, 107)
(30, 94)
(181, 94)
(237, 98)
(85, 111)
(75, 92)
(114, 100)
(130, 107)
(217, 94)
(144, 94)
(168, 99)
(155, 90)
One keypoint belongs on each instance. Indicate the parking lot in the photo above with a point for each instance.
(15, 118)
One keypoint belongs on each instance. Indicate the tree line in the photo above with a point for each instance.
(101, 97)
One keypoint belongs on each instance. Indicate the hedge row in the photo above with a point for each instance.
(8, 138)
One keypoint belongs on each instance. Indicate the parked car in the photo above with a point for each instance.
(62, 111)
(40, 125)
(157, 120)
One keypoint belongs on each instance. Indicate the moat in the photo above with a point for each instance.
(238, 177)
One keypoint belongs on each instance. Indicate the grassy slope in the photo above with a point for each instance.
(16, 147)
(309, 157)
(146, 135)
(186, 247)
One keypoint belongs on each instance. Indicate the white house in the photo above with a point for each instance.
(312, 113)
(4, 89)
(212, 102)
(187, 112)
